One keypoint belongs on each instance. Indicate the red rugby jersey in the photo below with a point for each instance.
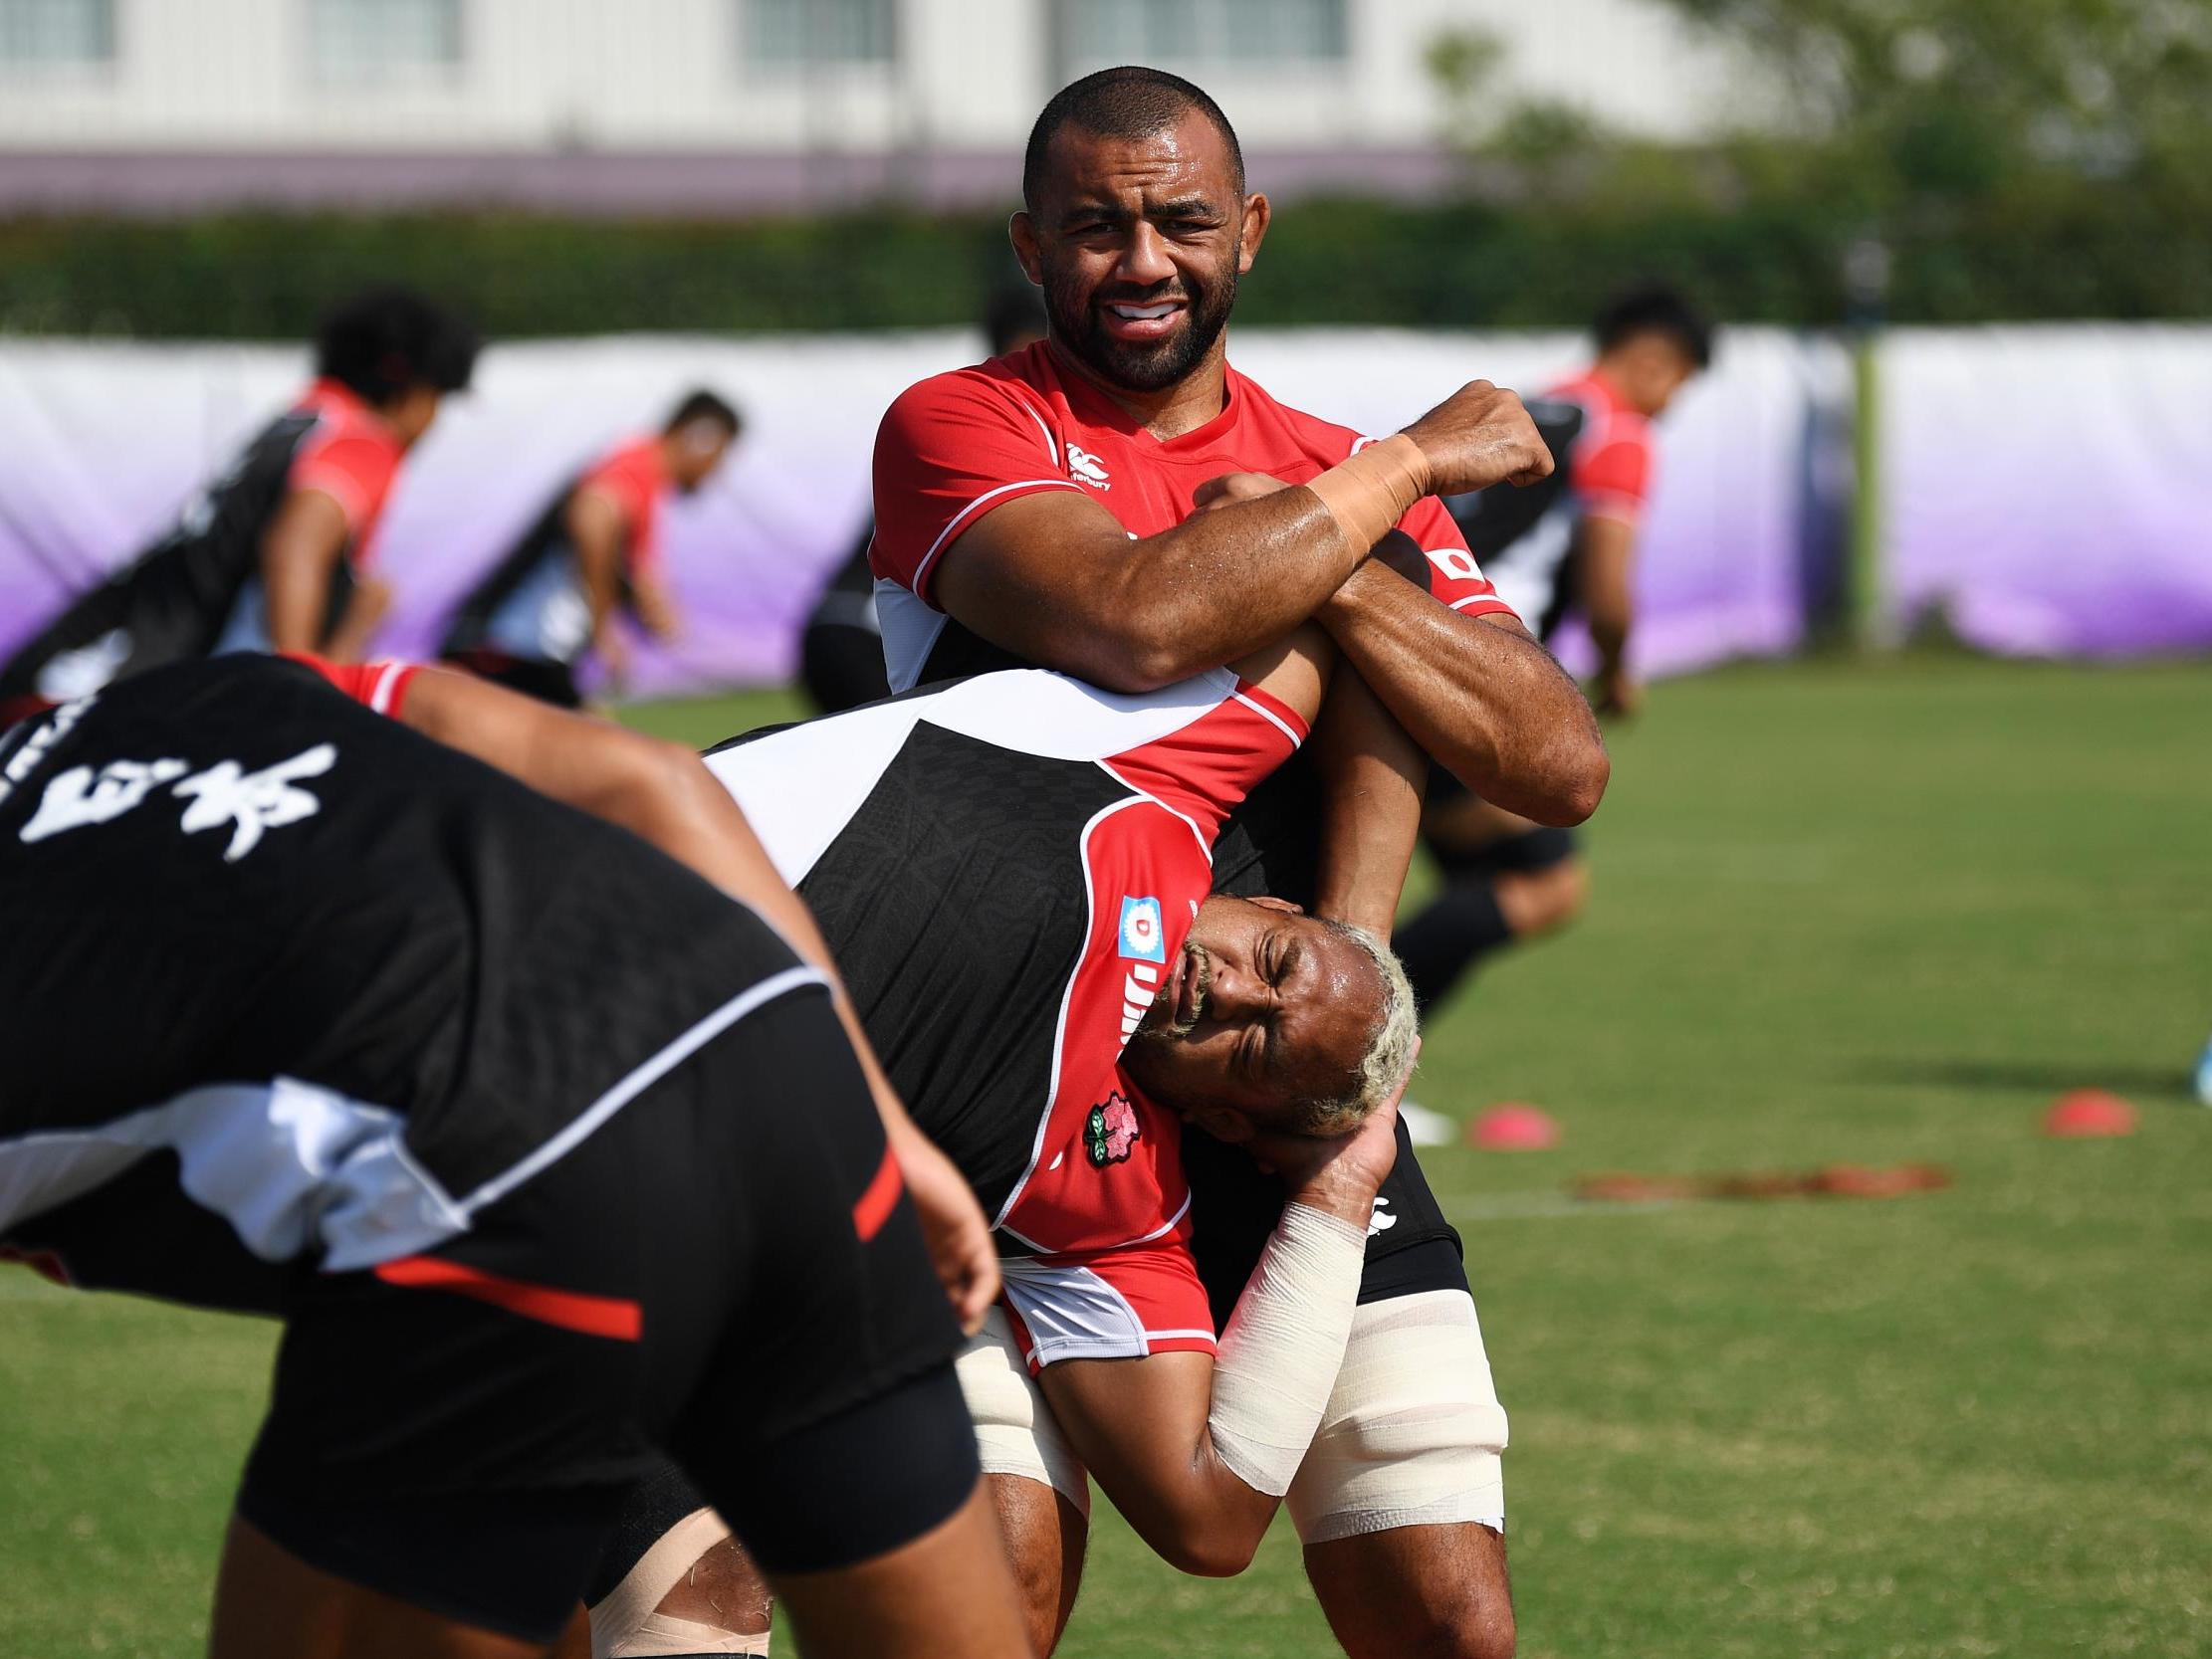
(957, 445)
(350, 456)
(635, 477)
(1613, 454)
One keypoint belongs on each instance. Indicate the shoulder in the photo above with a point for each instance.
(1000, 392)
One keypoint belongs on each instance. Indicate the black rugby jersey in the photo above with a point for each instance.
(360, 983)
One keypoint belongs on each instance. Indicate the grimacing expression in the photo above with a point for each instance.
(1261, 1008)
(1138, 245)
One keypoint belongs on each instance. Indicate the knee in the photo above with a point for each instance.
(1541, 901)
(1482, 1629)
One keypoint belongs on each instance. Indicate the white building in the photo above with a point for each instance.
(713, 104)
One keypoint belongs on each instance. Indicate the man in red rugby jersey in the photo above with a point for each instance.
(1041, 509)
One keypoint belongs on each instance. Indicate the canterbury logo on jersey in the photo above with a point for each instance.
(225, 794)
(1086, 467)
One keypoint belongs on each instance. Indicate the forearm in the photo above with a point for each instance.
(356, 626)
(1196, 1454)
(1604, 557)
(1217, 587)
(1486, 701)
(1371, 777)
(1057, 582)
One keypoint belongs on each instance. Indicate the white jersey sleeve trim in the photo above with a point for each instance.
(379, 700)
(1051, 448)
(1270, 716)
(961, 519)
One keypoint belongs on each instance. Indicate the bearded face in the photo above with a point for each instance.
(1137, 244)
(1141, 338)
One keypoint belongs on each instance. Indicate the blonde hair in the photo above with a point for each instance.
(1389, 1056)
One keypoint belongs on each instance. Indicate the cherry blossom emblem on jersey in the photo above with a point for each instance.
(1111, 1131)
(1142, 935)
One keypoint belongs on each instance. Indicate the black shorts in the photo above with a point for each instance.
(1270, 846)
(726, 1268)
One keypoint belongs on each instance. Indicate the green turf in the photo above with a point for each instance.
(1841, 913)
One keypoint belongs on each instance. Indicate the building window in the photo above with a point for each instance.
(1214, 35)
(382, 43)
(37, 36)
(802, 34)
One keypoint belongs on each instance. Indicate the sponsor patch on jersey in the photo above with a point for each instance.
(1142, 935)
(1111, 1131)
(1086, 467)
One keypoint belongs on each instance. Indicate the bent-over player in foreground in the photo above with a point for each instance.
(544, 1150)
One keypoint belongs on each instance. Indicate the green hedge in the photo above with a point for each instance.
(1774, 258)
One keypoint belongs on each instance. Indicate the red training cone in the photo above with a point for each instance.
(2088, 1112)
(1513, 1128)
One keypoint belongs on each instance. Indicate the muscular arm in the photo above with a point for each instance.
(1054, 579)
(595, 530)
(1605, 551)
(1372, 778)
(299, 552)
(1476, 693)
(660, 792)
(1155, 1432)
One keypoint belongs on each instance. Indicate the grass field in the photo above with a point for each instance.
(1841, 914)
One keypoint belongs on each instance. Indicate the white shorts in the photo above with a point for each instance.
(1412, 1435)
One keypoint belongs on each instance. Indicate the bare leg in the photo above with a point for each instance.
(1417, 1593)
(724, 1591)
(270, 1604)
(947, 1595)
(1044, 1536)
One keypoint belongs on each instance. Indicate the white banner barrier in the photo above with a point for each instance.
(102, 443)
(2049, 489)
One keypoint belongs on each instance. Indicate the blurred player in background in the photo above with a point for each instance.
(592, 556)
(526, 1208)
(278, 552)
(841, 653)
(1507, 878)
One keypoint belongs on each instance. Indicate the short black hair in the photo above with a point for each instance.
(1655, 309)
(1131, 102)
(385, 341)
(703, 405)
(1011, 313)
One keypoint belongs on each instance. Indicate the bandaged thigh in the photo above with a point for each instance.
(625, 1625)
(1016, 1433)
(1412, 1433)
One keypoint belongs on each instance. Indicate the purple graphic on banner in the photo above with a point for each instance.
(2050, 488)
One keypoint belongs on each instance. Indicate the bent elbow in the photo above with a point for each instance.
(1570, 789)
(1586, 786)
